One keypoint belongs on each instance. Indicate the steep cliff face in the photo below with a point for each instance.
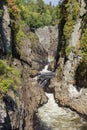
(48, 38)
(5, 33)
(18, 106)
(68, 83)
(31, 51)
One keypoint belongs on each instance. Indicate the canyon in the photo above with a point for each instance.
(20, 108)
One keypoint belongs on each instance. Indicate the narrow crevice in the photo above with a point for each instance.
(60, 41)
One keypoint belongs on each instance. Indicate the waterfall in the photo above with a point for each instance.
(45, 69)
(44, 76)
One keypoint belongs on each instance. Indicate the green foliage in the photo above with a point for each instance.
(33, 38)
(69, 49)
(84, 39)
(8, 77)
(72, 9)
(41, 6)
(37, 13)
(18, 33)
(1, 13)
(69, 14)
(69, 26)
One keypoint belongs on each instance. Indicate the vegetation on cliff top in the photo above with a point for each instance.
(70, 12)
(35, 13)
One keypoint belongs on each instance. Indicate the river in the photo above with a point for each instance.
(52, 117)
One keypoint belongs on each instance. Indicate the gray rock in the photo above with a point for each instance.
(6, 30)
(33, 56)
(83, 7)
(64, 83)
(76, 33)
(48, 38)
(2, 112)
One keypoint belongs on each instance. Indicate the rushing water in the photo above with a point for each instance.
(52, 117)
(58, 118)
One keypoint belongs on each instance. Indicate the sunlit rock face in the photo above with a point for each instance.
(48, 38)
(67, 91)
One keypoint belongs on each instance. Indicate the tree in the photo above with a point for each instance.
(50, 3)
(41, 6)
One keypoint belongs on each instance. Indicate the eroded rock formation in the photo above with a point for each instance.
(69, 90)
(5, 31)
(17, 108)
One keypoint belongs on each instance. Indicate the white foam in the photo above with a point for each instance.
(45, 69)
(73, 92)
(55, 116)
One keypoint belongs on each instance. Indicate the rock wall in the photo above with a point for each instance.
(17, 107)
(67, 92)
(5, 30)
(48, 38)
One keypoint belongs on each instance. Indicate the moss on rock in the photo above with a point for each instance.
(84, 39)
(9, 77)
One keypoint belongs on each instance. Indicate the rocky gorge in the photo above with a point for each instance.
(18, 107)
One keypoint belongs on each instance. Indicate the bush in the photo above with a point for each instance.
(37, 14)
(84, 39)
(9, 77)
(70, 11)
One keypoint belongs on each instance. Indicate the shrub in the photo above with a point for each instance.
(9, 77)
